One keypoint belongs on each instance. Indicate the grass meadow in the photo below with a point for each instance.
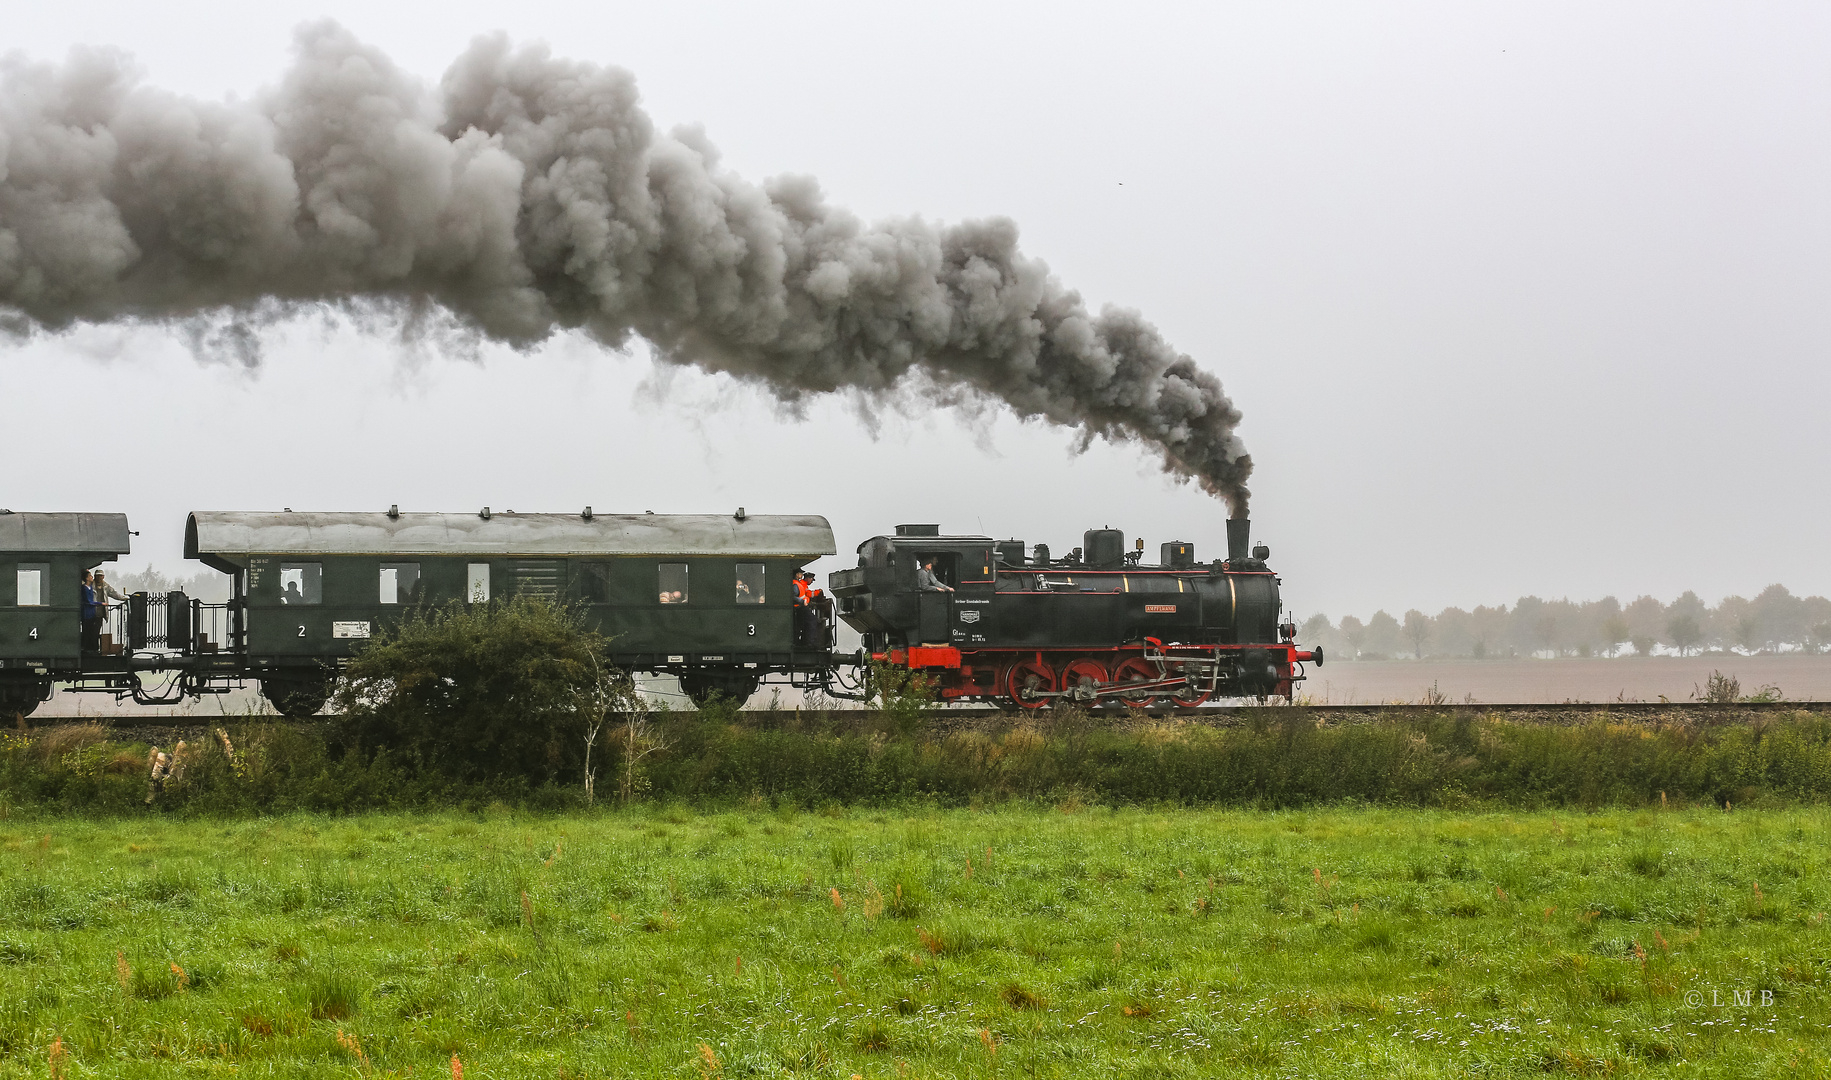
(1034, 939)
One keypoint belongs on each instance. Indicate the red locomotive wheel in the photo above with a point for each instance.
(1136, 670)
(1028, 678)
(1088, 675)
(1190, 695)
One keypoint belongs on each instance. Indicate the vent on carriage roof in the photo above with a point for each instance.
(918, 530)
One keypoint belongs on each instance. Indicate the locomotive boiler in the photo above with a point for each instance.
(995, 619)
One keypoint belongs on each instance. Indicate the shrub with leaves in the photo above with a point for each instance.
(904, 695)
(474, 691)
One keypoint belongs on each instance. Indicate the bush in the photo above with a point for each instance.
(478, 692)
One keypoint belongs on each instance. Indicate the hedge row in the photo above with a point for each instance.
(1416, 760)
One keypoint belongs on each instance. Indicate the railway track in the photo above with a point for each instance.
(1222, 715)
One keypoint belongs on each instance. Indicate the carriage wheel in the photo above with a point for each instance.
(1136, 670)
(1028, 678)
(298, 697)
(1089, 675)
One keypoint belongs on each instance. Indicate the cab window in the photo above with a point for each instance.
(301, 583)
(673, 583)
(750, 583)
(944, 565)
(400, 583)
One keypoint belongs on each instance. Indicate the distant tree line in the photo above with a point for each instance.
(1774, 621)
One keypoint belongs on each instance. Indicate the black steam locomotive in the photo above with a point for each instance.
(988, 620)
(710, 599)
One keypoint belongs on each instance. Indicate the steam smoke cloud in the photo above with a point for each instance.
(531, 194)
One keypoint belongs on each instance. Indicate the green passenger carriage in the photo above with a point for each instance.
(42, 559)
(707, 597)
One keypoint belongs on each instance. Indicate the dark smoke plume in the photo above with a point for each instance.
(532, 194)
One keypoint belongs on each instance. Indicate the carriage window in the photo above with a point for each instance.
(301, 583)
(594, 582)
(673, 582)
(478, 590)
(750, 583)
(32, 584)
(400, 582)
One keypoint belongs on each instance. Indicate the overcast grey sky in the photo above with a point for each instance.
(1514, 299)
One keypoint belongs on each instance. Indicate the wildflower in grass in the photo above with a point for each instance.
(353, 1047)
(1548, 912)
(457, 1068)
(969, 869)
(839, 976)
(122, 973)
(740, 966)
(1660, 940)
(183, 977)
(59, 1057)
(990, 1043)
(839, 902)
(874, 901)
(1758, 897)
(708, 1062)
(1500, 893)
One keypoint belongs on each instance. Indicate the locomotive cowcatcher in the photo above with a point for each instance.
(1095, 627)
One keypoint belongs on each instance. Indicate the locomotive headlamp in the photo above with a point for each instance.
(1261, 552)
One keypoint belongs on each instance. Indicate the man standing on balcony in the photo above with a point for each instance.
(91, 615)
(105, 592)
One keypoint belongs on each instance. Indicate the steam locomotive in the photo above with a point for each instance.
(707, 598)
(995, 621)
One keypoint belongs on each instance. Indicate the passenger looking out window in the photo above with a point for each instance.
(673, 583)
(301, 583)
(750, 583)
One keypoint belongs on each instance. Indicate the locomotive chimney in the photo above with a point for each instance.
(1239, 537)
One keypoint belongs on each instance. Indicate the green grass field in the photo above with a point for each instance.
(1041, 941)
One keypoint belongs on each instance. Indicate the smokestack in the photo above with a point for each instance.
(1239, 539)
(529, 195)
